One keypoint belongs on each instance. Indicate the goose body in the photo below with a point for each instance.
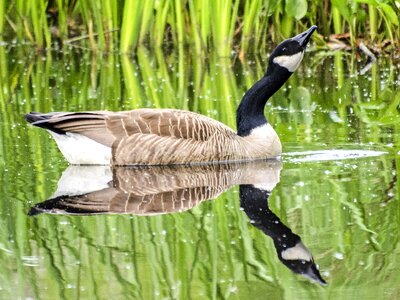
(168, 136)
(151, 190)
(153, 137)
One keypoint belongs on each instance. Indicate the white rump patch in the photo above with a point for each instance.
(79, 180)
(297, 252)
(81, 150)
(290, 62)
(266, 186)
(266, 137)
(262, 131)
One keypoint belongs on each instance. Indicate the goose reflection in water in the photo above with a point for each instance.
(289, 247)
(89, 190)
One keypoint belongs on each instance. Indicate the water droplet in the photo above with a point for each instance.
(338, 255)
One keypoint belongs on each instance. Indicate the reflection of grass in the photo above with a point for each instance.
(203, 24)
(210, 251)
(344, 201)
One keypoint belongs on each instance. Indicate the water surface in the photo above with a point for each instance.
(336, 188)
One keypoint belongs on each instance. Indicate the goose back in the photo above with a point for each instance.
(159, 136)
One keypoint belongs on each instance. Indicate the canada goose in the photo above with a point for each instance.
(156, 190)
(289, 247)
(152, 190)
(168, 136)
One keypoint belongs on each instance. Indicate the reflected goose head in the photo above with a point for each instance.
(299, 259)
(289, 247)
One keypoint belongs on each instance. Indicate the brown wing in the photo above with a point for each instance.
(107, 127)
(168, 137)
(166, 123)
(113, 201)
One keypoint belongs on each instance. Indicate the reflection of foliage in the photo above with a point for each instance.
(203, 24)
(384, 111)
(344, 199)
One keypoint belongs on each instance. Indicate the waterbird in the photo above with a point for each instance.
(170, 136)
(151, 190)
(157, 190)
(290, 249)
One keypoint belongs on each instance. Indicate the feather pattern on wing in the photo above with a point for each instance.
(161, 136)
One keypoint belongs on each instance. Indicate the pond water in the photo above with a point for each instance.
(329, 209)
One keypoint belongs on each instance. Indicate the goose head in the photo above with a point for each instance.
(283, 61)
(290, 52)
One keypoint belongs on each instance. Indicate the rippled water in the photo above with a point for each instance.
(234, 231)
(330, 155)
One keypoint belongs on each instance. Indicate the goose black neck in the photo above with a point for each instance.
(255, 204)
(250, 113)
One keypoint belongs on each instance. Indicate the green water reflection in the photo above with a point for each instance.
(347, 211)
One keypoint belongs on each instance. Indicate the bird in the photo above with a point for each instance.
(159, 190)
(289, 247)
(151, 190)
(172, 136)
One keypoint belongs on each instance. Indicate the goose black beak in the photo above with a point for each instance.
(314, 275)
(304, 37)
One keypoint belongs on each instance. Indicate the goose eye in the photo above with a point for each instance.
(284, 49)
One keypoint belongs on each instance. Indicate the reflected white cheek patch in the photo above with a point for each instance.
(298, 252)
(290, 62)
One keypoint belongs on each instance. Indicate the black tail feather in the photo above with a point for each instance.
(64, 204)
(55, 121)
(33, 117)
(42, 120)
(35, 211)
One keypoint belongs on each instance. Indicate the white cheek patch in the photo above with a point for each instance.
(290, 62)
(297, 252)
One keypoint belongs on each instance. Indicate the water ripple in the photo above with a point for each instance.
(328, 155)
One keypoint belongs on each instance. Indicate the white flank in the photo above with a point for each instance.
(266, 137)
(262, 132)
(80, 150)
(265, 177)
(266, 186)
(79, 180)
(290, 62)
(297, 252)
